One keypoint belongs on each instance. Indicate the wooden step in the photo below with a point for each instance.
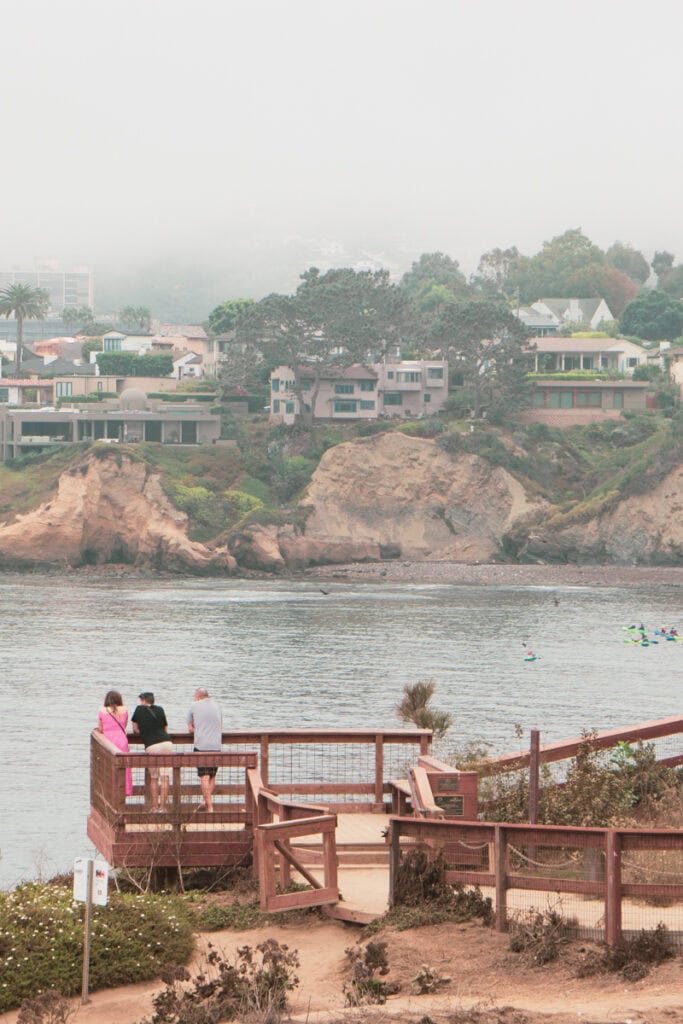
(343, 912)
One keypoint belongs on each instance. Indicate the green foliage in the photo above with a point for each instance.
(415, 707)
(41, 938)
(92, 345)
(422, 428)
(127, 364)
(235, 915)
(225, 318)
(632, 957)
(254, 987)
(422, 897)
(290, 475)
(654, 316)
(136, 318)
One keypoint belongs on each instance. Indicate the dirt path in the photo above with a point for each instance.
(485, 975)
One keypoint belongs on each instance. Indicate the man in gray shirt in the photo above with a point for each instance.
(205, 721)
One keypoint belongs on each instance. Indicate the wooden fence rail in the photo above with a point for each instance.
(489, 848)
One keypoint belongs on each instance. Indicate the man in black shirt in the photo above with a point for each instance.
(149, 722)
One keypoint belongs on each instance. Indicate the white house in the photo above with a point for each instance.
(568, 311)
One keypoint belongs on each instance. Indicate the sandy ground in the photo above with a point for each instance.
(485, 975)
(498, 574)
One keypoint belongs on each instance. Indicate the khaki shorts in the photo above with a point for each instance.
(160, 748)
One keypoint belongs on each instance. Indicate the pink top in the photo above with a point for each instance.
(113, 727)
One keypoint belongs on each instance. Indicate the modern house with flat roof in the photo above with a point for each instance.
(559, 355)
(568, 403)
(130, 419)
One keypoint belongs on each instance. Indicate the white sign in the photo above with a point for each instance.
(100, 881)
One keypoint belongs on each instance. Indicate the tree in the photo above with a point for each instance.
(500, 272)
(94, 345)
(224, 318)
(662, 263)
(653, 316)
(629, 261)
(341, 317)
(136, 317)
(672, 282)
(599, 279)
(486, 343)
(433, 279)
(22, 301)
(82, 319)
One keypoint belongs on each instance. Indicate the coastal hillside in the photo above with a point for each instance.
(281, 500)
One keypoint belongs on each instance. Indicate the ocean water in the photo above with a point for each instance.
(283, 654)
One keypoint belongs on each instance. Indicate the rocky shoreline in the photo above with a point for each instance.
(498, 574)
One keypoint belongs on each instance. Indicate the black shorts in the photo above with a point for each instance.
(205, 771)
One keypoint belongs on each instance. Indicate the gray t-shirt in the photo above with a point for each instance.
(207, 719)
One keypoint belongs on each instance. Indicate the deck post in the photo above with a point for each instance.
(534, 763)
(612, 887)
(379, 772)
(424, 744)
(394, 858)
(500, 855)
(264, 758)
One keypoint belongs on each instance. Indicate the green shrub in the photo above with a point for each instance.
(41, 941)
(239, 916)
(423, 428)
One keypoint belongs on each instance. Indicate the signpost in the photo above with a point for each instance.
(91, 878)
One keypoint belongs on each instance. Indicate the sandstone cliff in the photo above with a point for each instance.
(396, 496)
(107, 510)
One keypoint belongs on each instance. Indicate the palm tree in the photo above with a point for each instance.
(21, 301)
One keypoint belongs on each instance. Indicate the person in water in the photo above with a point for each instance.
(112, 720)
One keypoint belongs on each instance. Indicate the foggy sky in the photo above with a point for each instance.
(215, 133)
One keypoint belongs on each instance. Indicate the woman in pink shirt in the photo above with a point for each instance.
(112, 721)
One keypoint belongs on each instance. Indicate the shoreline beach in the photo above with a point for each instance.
(497, 574)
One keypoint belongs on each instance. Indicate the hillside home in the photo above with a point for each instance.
(567, 403)
(130, 419)
(537, 325)
(558, 355)
(573, 311)
(399, 388)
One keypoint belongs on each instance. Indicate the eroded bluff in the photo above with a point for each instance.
(108, 511)
(395, 496)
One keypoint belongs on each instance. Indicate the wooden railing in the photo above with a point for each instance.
(273, 837)
(481, 853)
(656, 729)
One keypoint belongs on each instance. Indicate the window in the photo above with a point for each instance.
(390, 374)
(435, 372)
(306, 384)
(427, 396)
(631, 362)
(275, 384)
(618, 400)
(539, 399)
(4, 394)
(64, 388)
(367, 385)
(112, 345)
(289, 407)
(100, 386)
(572, 362)
(367, 405)
(344, 405)
(566, 400)
(343, 389)
(276, 405)
(588, 399)
(409, 376)
(393, 398)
